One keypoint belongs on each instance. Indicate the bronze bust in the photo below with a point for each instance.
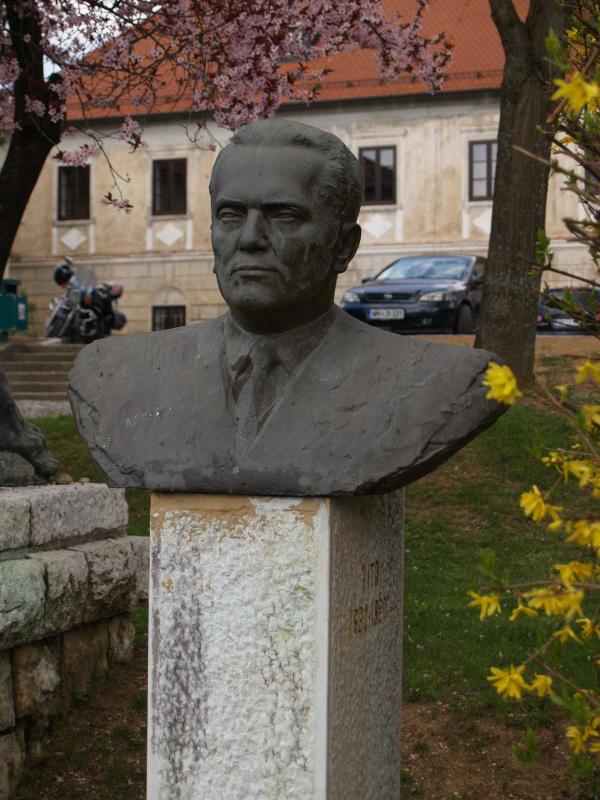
(285, 394)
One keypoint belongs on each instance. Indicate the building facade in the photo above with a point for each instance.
(428, 164)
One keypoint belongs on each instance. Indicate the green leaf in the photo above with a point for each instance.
(542, 247)
(552, 43)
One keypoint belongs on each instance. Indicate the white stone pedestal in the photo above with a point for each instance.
(276, 648)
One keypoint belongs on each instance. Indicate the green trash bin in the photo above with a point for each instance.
(14, 312)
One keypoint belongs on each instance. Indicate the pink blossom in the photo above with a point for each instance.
(207, 57)
(36, 107)
(77, 158)
(122, 204)
(131, 132)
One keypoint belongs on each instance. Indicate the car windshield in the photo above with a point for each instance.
(427, 268)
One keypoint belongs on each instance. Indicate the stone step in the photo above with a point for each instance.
(40, 395)
(37, 367)
(43, 348)
(17, 376)
(38, 386)
(21, 356)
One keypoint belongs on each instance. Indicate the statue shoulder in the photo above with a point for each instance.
(383, 350)
(133, 352)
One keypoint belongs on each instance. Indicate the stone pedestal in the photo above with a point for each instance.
(276, 646)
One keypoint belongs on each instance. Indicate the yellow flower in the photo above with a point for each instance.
(595, 537)
(502, 383)
(588, 629)
(574, 571)
(580, 470)
(552, 458)
(577, 738)
(580, 532)
(563, 390)
(566, 633)
(578, 92)
(588, 370)
(509, 683)
(521, 609)
(566, 604)
(591, 416)
(542, 685)
(488, 604)
(534, 506)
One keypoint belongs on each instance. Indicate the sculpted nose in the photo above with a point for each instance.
(253, 235)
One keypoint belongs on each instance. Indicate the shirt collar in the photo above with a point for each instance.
(292, 347)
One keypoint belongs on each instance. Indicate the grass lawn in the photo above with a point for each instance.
(469, 505)
(66, 444)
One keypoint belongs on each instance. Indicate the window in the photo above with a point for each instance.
(169, 186)
(165, 317)
(482, 169)
(378, 166)
(74, 192)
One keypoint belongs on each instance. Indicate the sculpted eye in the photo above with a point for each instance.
(285, 215)
(229, 214)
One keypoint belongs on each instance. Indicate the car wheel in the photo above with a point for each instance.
(464, 320)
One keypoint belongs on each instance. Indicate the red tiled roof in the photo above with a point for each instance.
(477, 61)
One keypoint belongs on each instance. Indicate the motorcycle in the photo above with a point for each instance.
(87, 310)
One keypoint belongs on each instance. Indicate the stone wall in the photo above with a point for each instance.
(68, 576)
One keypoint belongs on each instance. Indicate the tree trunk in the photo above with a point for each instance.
(31, 141)
(34, 136)
(507, 324)
(26, 156)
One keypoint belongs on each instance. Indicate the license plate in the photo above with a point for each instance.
(386, 313)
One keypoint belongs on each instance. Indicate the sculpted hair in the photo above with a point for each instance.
(340, 184)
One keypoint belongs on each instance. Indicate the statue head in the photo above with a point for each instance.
(285, 199)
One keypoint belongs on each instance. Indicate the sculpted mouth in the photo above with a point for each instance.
(253, 268)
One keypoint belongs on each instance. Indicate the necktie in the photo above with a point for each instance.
(258, 376)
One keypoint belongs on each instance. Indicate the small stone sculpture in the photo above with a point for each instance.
(286, 394)
(24, 457)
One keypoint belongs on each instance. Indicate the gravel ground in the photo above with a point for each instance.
(44, 408)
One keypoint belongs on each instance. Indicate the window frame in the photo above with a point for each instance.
(77, 202)
(378, 149)
(172, 210)
(169, 309)
(490, 173)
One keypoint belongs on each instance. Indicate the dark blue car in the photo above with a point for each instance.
(421, 293)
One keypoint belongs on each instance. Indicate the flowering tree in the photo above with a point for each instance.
(63, 63)
(62, 59)
(568, 596)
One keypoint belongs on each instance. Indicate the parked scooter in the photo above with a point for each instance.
(87, 310)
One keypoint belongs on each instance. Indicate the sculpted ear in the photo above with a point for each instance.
(347, 245)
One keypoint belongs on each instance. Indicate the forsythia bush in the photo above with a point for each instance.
(570, 595)
(564, 592)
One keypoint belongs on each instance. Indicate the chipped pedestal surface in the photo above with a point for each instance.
(276, 646)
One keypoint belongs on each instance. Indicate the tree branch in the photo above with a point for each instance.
(509, 25)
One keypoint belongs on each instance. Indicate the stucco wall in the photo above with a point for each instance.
(163, 259)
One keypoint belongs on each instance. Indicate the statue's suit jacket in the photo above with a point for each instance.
(368, 411)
